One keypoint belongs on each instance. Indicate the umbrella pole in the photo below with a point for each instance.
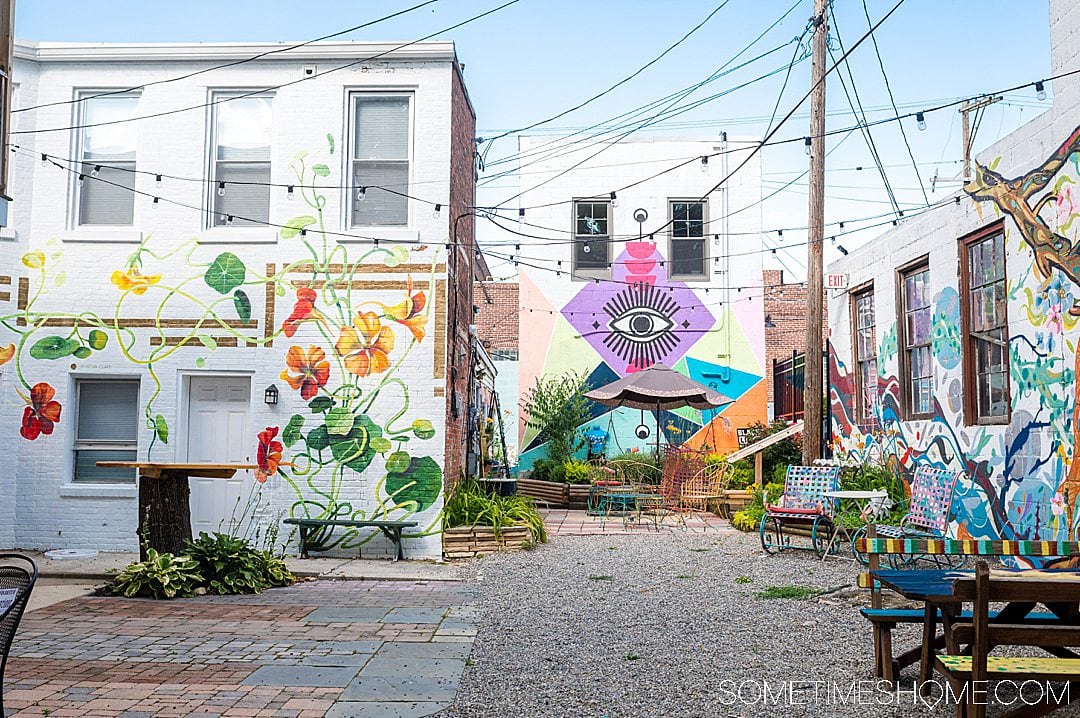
(659, 464)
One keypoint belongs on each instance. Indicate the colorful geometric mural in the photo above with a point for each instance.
(1022, 479)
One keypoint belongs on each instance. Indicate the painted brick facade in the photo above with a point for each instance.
(59, 277)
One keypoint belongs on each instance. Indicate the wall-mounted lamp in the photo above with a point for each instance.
(270, 395)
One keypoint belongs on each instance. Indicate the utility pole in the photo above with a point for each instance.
(813, 391)
(965, 109)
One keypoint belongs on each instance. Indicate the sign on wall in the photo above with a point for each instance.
(836, 281)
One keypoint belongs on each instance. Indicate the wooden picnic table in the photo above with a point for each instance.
(164, 494)
(937, 589)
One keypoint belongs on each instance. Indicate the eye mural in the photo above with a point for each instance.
(642, 331)
(640, 318)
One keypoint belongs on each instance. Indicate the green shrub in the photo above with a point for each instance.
(549, 470)
(161, 575)
(470, 504)
(749, 518)
(231, 566)
(555, 406)
(577, 472)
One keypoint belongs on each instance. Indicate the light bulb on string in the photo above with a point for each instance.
(614, 200)
(807, 143)
(1040, 91)
(290, 192)
(96, 171)
(44, 159)
(361, 193)
(438, 212)
(221, 189)
(81, 179)
(920, 121)
(586, 248)
(157, 200)
(704, 163)
(157, 180)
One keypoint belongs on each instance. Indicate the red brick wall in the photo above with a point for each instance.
(460, 270)
(785, 310)
(497, 321)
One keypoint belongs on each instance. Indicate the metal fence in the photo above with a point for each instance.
(789, 377)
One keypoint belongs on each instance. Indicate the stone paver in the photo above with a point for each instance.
(388, 649)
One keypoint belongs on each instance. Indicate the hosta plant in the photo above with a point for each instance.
(161, 575)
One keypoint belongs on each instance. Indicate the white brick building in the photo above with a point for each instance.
(285, 221)
(956, 344)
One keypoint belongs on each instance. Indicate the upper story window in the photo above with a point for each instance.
(105, 190)
(106, 428)
(592, 234)
(240, 163)
(986, 340)
(865, 354)
(916, 357)
(688, 253)
(381, 155)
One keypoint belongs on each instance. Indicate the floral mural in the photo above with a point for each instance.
(1022, 480)
(346, 347)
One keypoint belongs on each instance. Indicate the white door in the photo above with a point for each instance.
(219, 432)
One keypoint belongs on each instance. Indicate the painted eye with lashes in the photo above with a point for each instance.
(641, 328)
(641, 324)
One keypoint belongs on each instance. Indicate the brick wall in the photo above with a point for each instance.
(497, 320)
(461, 271)
(785, 321)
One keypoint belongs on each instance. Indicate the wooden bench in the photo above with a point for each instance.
(884, 620)
(392, 530)
(969, 674)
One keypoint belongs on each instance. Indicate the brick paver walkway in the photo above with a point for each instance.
(564, 522)
(335, 648)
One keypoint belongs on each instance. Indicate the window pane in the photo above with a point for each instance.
(381, 131)
(108, 411)
(108, 199)
(86, 468)
(109, 141)
(592, 254)
(688, 257)
(249, 202)
(380, 207)
(592, 218)
(243, 129)
(918, 327)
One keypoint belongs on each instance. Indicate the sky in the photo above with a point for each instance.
(537, 58)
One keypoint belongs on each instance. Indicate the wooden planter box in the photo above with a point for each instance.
(546, 493)
(469, 541)
(578, 496)
(731, 501)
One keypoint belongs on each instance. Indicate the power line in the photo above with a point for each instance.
(252, 93)
(233, 63)
(621, 82)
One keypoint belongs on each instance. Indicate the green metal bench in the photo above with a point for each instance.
(391, 529)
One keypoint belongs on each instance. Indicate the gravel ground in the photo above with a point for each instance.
(661, 625)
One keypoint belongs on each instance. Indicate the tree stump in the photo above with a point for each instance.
(164, 512)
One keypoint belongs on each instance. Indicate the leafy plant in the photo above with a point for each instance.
(749, 518)
(793, 593)
(161, 575)
(230, 565)
(636, 467)
(470, 504)
(743, 579)
(556, 407)
(577, 472)
(549, 470)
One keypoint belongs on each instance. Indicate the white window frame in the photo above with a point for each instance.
(584, 273)
(212, 161)
(672, 239)
(78, 444)
(350, 159)
(82, 96)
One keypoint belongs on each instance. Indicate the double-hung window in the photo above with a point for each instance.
(106, 171)
(381, 158)
(865, 350)
(106, 428)
(592, 234)
(986, 341)
(240, 165)
(917, 363)
(688, 245)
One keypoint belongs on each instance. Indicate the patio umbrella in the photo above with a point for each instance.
(657, 388)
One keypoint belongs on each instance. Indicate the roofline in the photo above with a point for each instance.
(224, 51)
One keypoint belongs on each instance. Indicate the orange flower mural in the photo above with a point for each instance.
(132, 280)
(304, 310)
(42, 414)
(6, 353)
(269, 454)
(366, 345)
(312, 370)
(408, 312)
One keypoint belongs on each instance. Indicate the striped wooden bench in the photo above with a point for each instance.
(884, 620)
(969, 674)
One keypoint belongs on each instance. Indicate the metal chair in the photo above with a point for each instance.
(803, 505)
(928, 517)
(16, 583)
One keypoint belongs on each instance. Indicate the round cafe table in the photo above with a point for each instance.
(863, 499)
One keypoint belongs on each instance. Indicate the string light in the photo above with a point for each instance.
(361, 193)
(157, 180)
(1040, 91)
(44, 160)
(228, 220)
(807, 143)
(704, 163)
(157, 200)
(438, 212)
(289, 192)
(81, 179)
(920, 121)
(96, 171)
(221, 189)
(614, 200)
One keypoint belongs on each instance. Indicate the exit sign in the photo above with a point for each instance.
(836, 281)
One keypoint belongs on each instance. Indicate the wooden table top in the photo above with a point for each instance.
(155, 470)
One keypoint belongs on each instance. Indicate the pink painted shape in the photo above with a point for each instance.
(640, 249)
